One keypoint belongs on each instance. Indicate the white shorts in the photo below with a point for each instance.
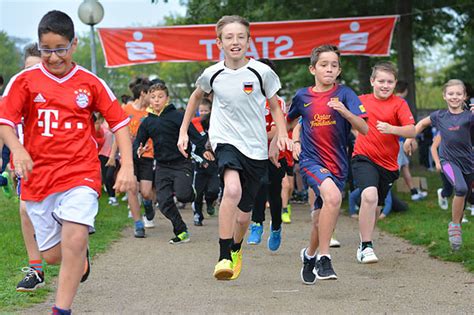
(79, 205)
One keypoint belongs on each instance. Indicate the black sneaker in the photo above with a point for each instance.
(211, 210)
(149, 210)
(88, 267)
(307, 272)
(31, 281)
(324, 269)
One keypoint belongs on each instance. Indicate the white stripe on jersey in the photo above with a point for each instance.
(9, 85)
(104, 84)
(121, 124)
(10, 123)
(59, 80)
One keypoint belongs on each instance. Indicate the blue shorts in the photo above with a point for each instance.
(314, 174)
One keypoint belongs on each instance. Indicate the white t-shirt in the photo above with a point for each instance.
(238, 107)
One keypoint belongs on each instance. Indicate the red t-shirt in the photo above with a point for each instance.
(382, 149)
(196, 121)
(269, 123)
(58, 126)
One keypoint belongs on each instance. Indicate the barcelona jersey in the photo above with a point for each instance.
(324, 132)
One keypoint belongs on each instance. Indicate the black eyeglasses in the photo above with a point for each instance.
(60, 52)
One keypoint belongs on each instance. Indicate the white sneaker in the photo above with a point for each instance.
(442, 201)
(464, 219)
(149, 224)
(416, 197)
(334, 243)
(423, 194)
(130, 214)
(125, 197)
(366, 256)
(113, 201)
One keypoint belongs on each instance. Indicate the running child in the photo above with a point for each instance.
(329, 110)
(237, 133)
(58, 163)
(173, 173)
(374, 162)
(457, 159)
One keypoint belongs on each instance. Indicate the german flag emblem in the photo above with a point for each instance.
(248, 87)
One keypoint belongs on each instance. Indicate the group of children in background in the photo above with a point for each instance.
(243, 151)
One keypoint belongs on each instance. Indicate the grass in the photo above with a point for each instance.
(109, 223)
(426, 224)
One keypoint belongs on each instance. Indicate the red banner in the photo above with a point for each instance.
(370, 36)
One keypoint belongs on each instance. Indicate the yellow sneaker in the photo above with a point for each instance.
(223, 270)
(286, 215)
(237, 263)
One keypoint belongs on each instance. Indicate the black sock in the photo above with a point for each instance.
(367, 244)
(236, 246)
(413, 191)
(224, 245)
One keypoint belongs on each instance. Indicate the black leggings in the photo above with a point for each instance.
(270, 191)
(108, 175)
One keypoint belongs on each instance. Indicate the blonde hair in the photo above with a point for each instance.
(228, 19)
(386, 66)
(453, 82)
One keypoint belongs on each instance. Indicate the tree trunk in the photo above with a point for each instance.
(406, 65)
(363, 73)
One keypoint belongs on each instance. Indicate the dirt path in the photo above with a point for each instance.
(138, 276)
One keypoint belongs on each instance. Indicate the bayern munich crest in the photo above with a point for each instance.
(82, 98)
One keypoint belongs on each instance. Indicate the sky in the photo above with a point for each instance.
(20, 18)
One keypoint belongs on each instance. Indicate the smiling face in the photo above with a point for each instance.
(383, 84)
(455, 95)
(204, 109)
(326, 70)
(234, 41)
(57, 65)
(158, 100)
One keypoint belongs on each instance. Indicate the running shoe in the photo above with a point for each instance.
(324, 270)
(366, 256)
(149, 224)
(236, 263)
(87, 268)
(223, 270)
(256, 232)
(286, 214)
(334, 243)
(7, 189)
(308, 275)
(181, 238)
(274, 240)
(442, 201)
(32, 281)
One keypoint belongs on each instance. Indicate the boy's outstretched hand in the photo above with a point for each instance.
(23, 162)
(183, 141)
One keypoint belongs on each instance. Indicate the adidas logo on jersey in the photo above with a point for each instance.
(39, 99)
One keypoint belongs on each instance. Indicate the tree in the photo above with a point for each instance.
(10, 57)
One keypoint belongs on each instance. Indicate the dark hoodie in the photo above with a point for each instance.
(164, 132)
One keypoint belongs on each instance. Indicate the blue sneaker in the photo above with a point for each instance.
(256, 232)
(274, 240)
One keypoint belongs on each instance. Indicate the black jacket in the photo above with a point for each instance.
(164, 132)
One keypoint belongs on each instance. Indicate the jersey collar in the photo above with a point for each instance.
(55, 78)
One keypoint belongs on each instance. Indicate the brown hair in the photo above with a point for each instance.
(386, 66)
(453, 82)
(158, 87)
(228, 19)
(322, 49)
(31, 50)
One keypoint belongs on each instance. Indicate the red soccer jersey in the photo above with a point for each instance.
(382, 149)
(269, 123)
(59, 130)
(196, 121)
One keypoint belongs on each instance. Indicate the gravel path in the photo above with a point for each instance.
(150, 276)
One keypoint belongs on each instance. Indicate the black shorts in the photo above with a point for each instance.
(251, 172)
(288, 169)
(143, 168)
(368, 174)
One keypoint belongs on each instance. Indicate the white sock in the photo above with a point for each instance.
(307, 256)
(319, 256)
